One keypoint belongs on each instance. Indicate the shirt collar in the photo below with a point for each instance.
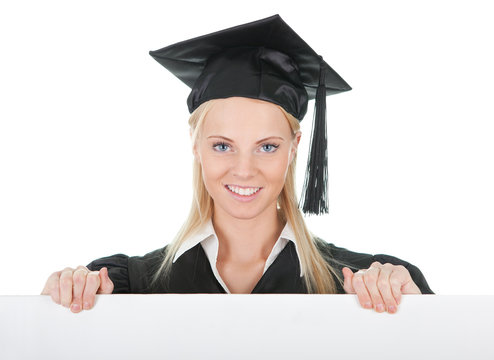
(207, 231)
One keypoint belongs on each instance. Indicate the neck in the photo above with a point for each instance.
(246, 241)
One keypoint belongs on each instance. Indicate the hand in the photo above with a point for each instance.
(380, 286)
(77, 287)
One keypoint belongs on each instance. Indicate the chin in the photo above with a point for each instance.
(241, 210)
(243, 213)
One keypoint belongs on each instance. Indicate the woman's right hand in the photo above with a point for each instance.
(76, 288)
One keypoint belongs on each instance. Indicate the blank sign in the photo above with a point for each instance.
(261, 326)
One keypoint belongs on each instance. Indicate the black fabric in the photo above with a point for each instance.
(192, 273)
(263, 59)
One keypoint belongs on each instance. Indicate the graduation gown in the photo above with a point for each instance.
(192, 273)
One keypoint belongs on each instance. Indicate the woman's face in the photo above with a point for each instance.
(245, 148)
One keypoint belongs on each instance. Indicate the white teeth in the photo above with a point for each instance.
(243, 191)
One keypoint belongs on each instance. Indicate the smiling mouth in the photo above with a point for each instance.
(243, 191)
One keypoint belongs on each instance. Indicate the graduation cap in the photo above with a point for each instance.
(266, 60)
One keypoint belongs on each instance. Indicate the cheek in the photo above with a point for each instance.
(212, 170)
(275, 171)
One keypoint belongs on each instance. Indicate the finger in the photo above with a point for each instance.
(92, 285)
(360, 289)
(384, 286)
(347, 282)
(370, 280)
(79, 282)
(402, 283)
(66, 287)
(52, 287)
(106, 286)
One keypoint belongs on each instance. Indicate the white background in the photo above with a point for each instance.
(95, 156)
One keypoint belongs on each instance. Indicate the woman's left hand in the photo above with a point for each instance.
(380, 286)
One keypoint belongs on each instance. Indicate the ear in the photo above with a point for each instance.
(194, 147)
(295, 143)
(195, 153)
(298, 135)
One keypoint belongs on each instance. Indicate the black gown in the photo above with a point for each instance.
(192, 273)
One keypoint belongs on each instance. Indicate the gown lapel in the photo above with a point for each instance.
(192, 273)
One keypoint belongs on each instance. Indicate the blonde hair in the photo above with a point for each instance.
(319, 275)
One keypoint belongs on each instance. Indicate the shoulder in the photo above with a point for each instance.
(340, 257)
(124, 261)
(148, 261)
(353, 260)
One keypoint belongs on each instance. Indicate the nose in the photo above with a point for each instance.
(244, 166)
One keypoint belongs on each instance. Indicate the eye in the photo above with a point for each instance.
(270, 148)
(220, 146)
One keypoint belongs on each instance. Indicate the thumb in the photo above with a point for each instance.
(347, 284)
(106, 286)
(410, 288)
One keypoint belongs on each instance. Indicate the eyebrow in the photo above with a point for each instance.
(258, 142)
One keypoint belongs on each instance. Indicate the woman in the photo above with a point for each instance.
(245, 232)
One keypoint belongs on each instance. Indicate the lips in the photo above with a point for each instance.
(246, 191)
(250, 193)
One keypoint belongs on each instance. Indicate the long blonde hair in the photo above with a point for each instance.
(319, 275)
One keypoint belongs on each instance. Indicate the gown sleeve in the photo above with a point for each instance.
(130, 274)
(118, 271)
(340, 257)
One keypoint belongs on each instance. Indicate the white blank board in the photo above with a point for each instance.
(238, 326)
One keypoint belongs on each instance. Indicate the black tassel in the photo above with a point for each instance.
(314, 192)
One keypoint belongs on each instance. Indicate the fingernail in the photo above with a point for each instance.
(392, 309)
(75, 307)
(368, 305)
(380, 307)
(86, 306)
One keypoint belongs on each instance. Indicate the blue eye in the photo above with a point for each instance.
(221, 147)
(224, 147)
(270, 148)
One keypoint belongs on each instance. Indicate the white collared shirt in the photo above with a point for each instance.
(209, 242)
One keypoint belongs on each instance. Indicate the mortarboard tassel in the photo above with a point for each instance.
(314, 192)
